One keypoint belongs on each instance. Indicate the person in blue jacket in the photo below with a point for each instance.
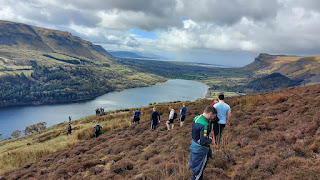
(183, 113)
(136, 117)
(200, 145)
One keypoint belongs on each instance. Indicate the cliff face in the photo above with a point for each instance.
(25, 37)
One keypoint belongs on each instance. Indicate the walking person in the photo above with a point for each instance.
(154, 118)
(97, 129)
(69, 129)
(201, 140)
(172, 116)
(224, 115)
(136, 117)
(183, 113)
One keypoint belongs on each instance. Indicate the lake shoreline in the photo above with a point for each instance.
(169, 91)
(76, 101)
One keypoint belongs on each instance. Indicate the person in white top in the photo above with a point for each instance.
(171, 118)
(224, 115)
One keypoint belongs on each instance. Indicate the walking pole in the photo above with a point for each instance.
(213, 138)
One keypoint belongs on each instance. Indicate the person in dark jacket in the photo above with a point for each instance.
(201, 140)
(155, 119)
(97, 129)
(69, 129)
(183, 113)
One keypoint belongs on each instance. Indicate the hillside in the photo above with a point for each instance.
(273, 135)
(269, 82)
(302, 68)
(44, 66)
(15, 37)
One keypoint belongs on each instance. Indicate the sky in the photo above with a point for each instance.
(228, 32)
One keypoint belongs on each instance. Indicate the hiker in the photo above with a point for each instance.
(172, 116)
(201, 140)
(69, 129)
(97, 112)
(183, 112)
(136, 117)
(97, 130)
(224, 115)
(102, 111)
(155, 119)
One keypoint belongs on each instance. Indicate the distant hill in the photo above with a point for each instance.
(301, 68)
(18, 36)
(273, 135)
(271, 82)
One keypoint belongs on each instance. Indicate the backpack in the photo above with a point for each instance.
(215, 119)
(97, 128)
(175, 115)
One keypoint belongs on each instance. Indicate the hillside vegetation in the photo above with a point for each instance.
(273, 135)
(43, 66)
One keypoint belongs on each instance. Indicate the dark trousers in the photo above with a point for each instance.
(218, 129)
(136, 120)
(154, 124)
(97, 133)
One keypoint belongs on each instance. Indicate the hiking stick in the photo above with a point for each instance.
(213, 138)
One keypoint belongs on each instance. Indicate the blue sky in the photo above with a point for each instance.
(229, 32)
(140, 33)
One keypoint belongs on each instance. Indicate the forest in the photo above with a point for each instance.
(61, 84)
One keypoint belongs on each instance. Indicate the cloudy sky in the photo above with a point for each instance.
(228, 32)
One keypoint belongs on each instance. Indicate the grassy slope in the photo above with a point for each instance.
(295, 67)
(274, 135)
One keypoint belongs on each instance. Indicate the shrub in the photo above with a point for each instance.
(122, 165)
(85, 134)
(219, 159)
(16, 133)
(35, 128)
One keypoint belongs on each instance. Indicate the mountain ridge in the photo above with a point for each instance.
(47, 40)
(302, 68)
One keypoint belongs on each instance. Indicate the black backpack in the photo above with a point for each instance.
(97, 128)
(215, 119)
(175, 115)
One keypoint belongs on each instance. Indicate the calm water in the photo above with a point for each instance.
(19, 117)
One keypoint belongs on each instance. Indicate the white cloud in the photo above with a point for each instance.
(197, 26)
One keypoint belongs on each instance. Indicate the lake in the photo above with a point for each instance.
(13, 118)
